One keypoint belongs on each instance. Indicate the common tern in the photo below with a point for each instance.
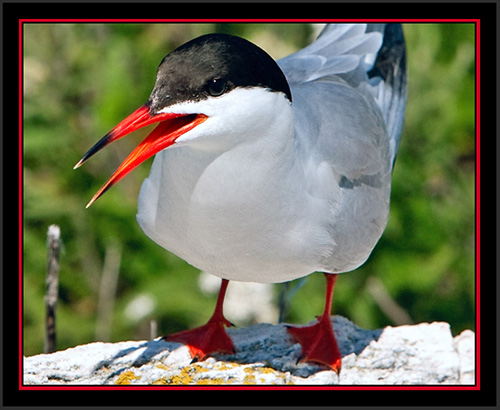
(267, 171)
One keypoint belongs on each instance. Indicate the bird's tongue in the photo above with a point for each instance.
(171, 127)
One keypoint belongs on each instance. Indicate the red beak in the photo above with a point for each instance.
(171, 127)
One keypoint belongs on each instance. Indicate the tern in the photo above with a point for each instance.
(268, 171)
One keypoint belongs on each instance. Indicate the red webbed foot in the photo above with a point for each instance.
(318, 341)
(209, 338)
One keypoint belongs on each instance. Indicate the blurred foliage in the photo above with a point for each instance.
(82, 79)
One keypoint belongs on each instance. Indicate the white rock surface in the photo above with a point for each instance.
(418, 354)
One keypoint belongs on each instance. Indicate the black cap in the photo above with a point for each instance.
(212, 65)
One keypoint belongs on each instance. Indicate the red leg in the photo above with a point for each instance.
(211, 337)
(318, 341)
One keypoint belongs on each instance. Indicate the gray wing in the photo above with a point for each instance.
(369, 58)
(339, 49)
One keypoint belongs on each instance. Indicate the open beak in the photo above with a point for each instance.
(171, 126)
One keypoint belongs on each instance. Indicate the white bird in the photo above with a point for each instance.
(269, 171)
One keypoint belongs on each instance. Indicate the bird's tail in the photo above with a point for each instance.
(388, 77)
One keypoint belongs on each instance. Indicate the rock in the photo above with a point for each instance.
(419, 354)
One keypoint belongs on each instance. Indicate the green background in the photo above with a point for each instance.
(82, 79)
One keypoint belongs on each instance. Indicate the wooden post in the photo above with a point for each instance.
(52, 281)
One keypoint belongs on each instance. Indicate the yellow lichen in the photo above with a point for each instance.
(224, 365)
(126, 378)
(185, 375)
(196, 368)
(193, 374)
(249, 379)
(212, 381)
(267, 370)
(161, 366)
(182, 378)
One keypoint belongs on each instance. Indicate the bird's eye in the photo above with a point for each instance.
(216, 87)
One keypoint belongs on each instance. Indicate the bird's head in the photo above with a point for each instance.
(209, 92)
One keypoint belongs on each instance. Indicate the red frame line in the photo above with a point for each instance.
(263, 387)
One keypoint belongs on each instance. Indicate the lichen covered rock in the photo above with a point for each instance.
(425, 353)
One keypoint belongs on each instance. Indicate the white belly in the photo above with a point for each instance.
(238, 222)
